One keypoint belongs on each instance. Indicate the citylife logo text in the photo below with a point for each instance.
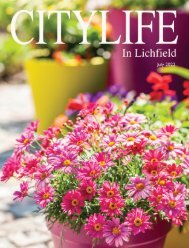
(84, 25)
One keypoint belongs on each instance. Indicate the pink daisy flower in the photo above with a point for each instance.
(10, 167)
(179, 189)
(72, 202)
(95, 226)
(151, 138)
(90, 109)
(51, 133)
(20, 195)
(42, 173)
(129, 139)
(113, 120)
(25, 141)
(178, 220)
(174, 170)
(103, 159)
(109, 142)
(29, 164)
(87, 189)
(137, 148)
(156, 196)
(133, 121)
(168, 130)
(173, 206)
(89, 170)
(138, 221)
(171, 149)
(154, 156)
(116, 233)
(152, 169)
(139, 188)
(66, 160)
(109, 190)
(163, 181)
(44, 195)
(33, 126)
(78, 137)
(112, 206)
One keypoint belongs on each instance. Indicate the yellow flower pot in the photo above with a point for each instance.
(175, 239)
(53, 84)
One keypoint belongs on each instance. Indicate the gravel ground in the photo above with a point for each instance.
(20, 227)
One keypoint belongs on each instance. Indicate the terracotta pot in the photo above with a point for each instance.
(63, 237)
(53, 84)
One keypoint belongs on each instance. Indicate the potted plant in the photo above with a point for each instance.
(58, 72)
(123, 70)
(112, 178)
(161, 105)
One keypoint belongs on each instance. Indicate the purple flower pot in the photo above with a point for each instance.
(132, 71)
(64, 237)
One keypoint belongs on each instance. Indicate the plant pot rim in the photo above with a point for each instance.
(56, 228)
(52, 61)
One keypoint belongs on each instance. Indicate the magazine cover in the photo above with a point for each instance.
(94, 123)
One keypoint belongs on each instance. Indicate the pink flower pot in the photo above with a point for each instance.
(132, 72)
(64, 237)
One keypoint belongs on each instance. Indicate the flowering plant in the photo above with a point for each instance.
(113, 172)
(161, 103)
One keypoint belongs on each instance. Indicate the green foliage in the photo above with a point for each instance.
(7, 9)
(164, 112)
(11, 55)
(180, 71)
(148, 4)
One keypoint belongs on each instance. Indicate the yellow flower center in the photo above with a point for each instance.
(102, 163)
(158, 198)
(162, 182)
(112, 206)
(153, 172)
(46, 196)
(172, 204)
(67, 162)
(170, 148)
(26, 141)
(98, 227)
(140, 186)
(176, 192)
(43, 176)
(89, 190)
(92, 173)
(153, 137)
(116, 231)
(154, 160)
(80, 142)
(75, 202)
(111, 143)
(138, 222)
(110, 193)
(173, 173)
(131, 139)
(184, 156)
(132, 122)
